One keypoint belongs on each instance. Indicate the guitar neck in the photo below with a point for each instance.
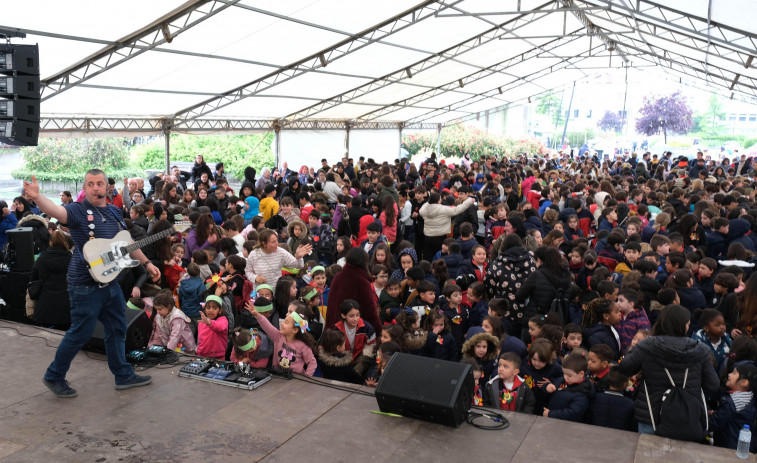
(149, 240)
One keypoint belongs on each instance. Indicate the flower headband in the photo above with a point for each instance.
(299, 322)
(212, 280)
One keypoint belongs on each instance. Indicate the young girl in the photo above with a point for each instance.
(415, 338)
(384, 354)
(537, 322)
(293, 346)
(284, 294)
(484, 349)
(736, 407)
(440, 343)
(541, 371)
(212, 330)
(456, 312)
(251, 347)
(382, 255)
(713, 334)
(600, 316)
(172, 268)
(360, 335)
(334, 361)
(171, 326)
(343, 246)
(308, 304)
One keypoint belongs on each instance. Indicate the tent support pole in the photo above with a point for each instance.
(347, 128)
(439, 140)
(399, 149)
(276, 144)
(167, 138)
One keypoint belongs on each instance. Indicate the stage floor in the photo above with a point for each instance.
(183, 420)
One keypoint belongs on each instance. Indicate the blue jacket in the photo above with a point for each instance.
(454, 263)
(716, 245)
(190, 296)
(478, 312)
(466, 247)
(692, 298)
(612, 410)
(602, 334)
(6, 223)
(605, 225)
(726, 422)
(572, 403)
(737, 233)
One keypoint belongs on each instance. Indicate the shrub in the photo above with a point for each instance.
(460, 139)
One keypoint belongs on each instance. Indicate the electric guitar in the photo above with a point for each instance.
(105, 258)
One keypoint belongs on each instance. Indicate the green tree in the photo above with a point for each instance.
(711, 122)
(550, 104)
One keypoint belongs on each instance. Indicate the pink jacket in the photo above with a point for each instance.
(212, 339)
(295, 355)
(172, 331)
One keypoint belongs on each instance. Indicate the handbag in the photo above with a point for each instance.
(34, 288)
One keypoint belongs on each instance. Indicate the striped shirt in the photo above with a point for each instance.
(269, 265)
(107, 222)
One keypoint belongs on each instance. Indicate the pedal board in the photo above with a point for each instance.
(225, 373)
(196, 367)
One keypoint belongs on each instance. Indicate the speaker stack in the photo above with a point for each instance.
(19, 94)
(426, 389)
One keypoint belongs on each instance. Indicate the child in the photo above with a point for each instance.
(632, 317)
(318, 274)
(360, 335)
(384, 354)
(601, 314)
(191, 293)
(507, 390)
(440, 343)
(725, 285)
(611, 408)
(736, 408)
(172, 268)
(456, 312)
(389, 299)
(541, 373)
(536, 323)
(415, 337)
(201, 259)
(599, 359)
(380, 275)
(477, 301)
(706, 283)
(425, 300)
(212, 330)
(293, 346)
(572, 401)
(483, 348)
(478, 390)
(632, 254)
(251, 347)
(171, 326)
(334, 361)
(713, 334)
(374, 237)
(309, 300)
(572, 338)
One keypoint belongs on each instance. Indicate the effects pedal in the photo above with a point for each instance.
(156, 351)
(136, 356)
(196, 367)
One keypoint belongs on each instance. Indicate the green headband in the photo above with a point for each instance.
(311, 294)
(132, 306)
(215, 299)
(250, 345)
(178, 217)
(265, 286)
(264, 308)
(316, 268)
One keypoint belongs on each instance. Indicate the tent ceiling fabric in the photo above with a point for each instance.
(250, 65)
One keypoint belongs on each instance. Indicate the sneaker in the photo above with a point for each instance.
(60, 388)
(135, 381)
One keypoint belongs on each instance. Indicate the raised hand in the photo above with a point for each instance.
(31, 189)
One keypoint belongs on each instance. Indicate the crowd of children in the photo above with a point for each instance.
(543, 284)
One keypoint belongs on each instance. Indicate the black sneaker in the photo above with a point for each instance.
(135, 381)
(60, 388)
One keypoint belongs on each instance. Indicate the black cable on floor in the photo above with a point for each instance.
(500, 421)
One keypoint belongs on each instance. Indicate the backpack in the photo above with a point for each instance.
(683, 414)
(561, 305)
(326, 244)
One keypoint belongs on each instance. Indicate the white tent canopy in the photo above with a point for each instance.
(211, 66)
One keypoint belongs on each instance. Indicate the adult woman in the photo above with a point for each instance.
(52, 306)
(202, 196)
(21, 207)
(8, 220)
(438, 222)
(540, 288)
(188, 197)
(199, 167)
(264, 180)
(66, 198)
(265, 262)
(203, 181)
(668, 349)
(507, 273)
(354, 282)
(170, 193)
(201, 237)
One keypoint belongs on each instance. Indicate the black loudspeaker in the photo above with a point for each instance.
(19, 255)
(13, 292)
(426, 389)
(20, 94)
(138, 331)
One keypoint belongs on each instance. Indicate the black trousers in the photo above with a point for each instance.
(431, 245)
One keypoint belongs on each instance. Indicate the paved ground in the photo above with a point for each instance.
(184, 420)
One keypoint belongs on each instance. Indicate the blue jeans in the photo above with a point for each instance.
(646, 428)
(90, 303)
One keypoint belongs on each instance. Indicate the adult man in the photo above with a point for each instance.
(92, 218)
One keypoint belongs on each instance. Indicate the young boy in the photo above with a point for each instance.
(572, 402)
(660, 245)
(649, 285)
(425, 300)
(374, 237)
(380, 275)
(632, 317)
(477, 301)
(191, 293)
(572, 339)
(599, 365)
(288, 211)
(269, 206)
(632, 255)
(507, 390)
(389, 301)
(499, 308)
(736, 408)
(611, 408)
(707, 268)
(456, 311)
(608, 290)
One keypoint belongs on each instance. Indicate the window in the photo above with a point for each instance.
(742, 117)
(752, 117)
(731, 117)
(588, 114)
(575, 113)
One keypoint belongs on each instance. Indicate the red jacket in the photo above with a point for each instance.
(353, 283)
(365, 336)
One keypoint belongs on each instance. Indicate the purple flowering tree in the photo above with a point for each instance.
(665, 114)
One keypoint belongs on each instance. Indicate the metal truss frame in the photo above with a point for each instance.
(318, 60)
(161, 31)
